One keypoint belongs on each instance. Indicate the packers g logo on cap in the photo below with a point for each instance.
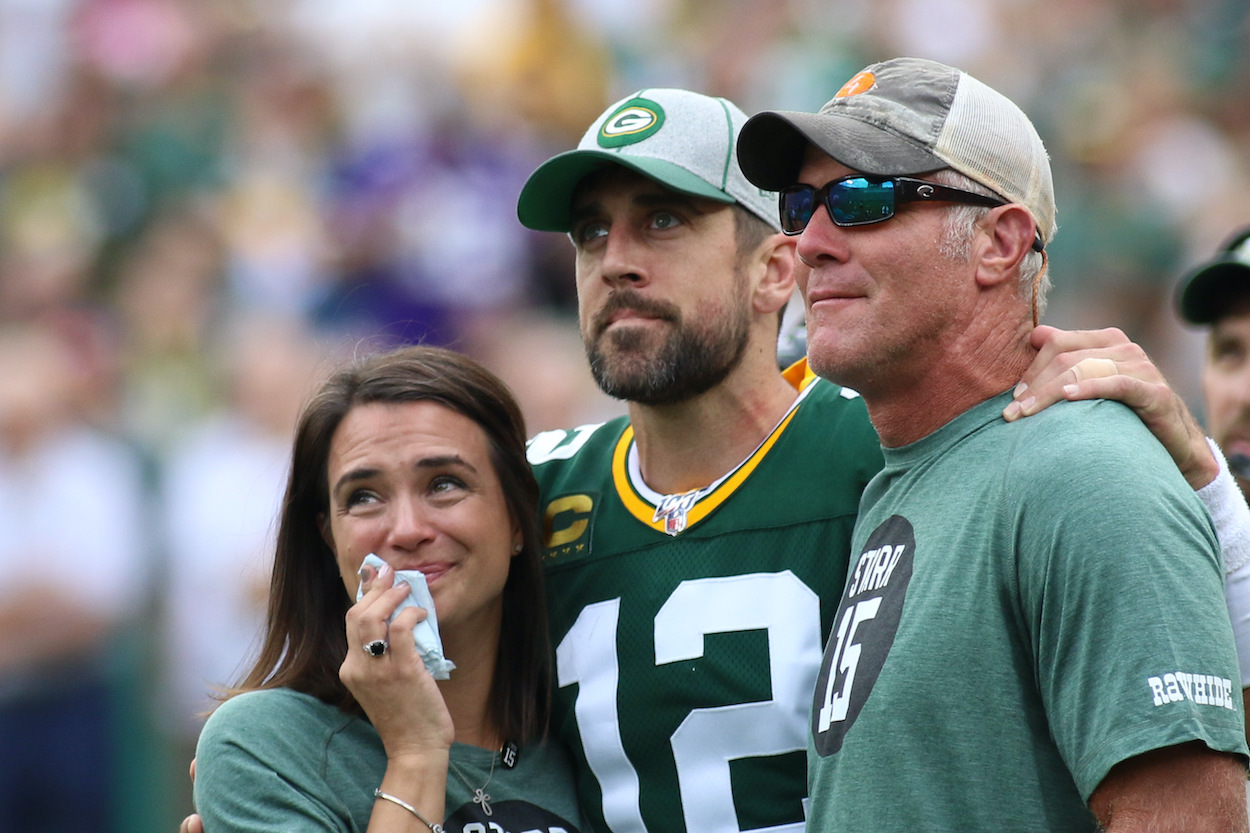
(632, 122)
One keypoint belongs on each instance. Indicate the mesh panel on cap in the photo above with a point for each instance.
(989, 138)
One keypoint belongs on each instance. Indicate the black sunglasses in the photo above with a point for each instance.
(859, 200)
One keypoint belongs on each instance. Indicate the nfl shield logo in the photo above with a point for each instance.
(673, 510)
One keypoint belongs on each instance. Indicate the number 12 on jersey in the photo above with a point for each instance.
(709, 738)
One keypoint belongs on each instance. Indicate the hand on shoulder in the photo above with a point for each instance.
(1105, 364)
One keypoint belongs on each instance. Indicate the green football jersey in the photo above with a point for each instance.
(688, 629)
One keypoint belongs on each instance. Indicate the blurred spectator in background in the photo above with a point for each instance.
(542, 360)
(73, 573)
(537, 63)
(353, 155)
(223, 486)
(1216, 294)
(284, 126)
(167, 297)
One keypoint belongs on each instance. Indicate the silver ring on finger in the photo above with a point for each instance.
(376, 648)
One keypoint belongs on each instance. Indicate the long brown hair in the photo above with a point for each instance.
(305, 640)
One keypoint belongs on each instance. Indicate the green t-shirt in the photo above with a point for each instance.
(279, 760)
(688, 630)
(1030, 604)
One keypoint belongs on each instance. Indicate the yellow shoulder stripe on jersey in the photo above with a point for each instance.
(645, 511)
(799, 374)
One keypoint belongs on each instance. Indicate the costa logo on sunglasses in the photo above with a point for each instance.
(632, 122)
(861, 83)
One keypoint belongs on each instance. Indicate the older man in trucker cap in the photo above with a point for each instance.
(1033, 635)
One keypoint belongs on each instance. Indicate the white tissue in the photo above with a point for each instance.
(429, 643)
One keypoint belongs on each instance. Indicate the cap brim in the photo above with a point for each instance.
(546, 199)
(1206, 293)
(771, 147)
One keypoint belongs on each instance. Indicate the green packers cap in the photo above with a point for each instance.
(1207, 291)
(910, 116)
(683, 140)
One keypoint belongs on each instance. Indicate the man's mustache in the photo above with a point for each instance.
(629, 301)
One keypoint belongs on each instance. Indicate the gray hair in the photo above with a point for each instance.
(960, 226)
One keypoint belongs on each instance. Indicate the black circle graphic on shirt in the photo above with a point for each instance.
(506, 815)
(863, 631)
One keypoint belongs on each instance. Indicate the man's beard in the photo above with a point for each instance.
(691, 360)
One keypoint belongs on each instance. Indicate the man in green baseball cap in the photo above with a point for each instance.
(689, 585)
(678, 138)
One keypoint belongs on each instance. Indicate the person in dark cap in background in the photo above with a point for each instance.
(1032, 635)
(1104, 364)
(1216, 294)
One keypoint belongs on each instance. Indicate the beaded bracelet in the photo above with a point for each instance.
(436, 828)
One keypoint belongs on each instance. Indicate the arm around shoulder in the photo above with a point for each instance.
(1231, 517)
(1229, 514)
(1188, 788)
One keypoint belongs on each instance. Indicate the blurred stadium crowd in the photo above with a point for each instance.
(205, 202)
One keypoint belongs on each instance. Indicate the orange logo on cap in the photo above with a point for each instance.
(861, 83)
